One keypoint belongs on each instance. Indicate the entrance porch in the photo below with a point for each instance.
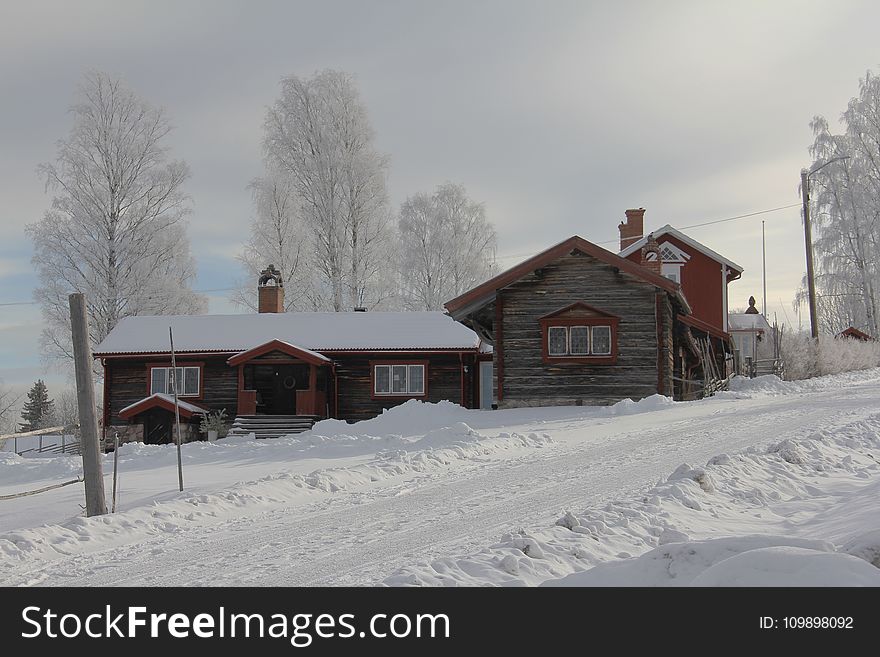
(281, 379)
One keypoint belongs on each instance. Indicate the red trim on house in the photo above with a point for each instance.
(155, 402)
(374, 395)
(335, 391)
(105, 402)
(200, 365)
(498, 348)
(579, 305)
(547, 256)
(604, 359)
(278, 345)
(228, 352)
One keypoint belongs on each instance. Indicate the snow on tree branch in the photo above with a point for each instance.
(116, 227)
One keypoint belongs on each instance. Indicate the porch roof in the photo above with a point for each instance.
(307, 355)
(161, 400)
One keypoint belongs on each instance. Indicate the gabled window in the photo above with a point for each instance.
(187, 378)
(398, 379)
(579, 333)
(671, 253)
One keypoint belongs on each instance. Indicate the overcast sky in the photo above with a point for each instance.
(557, 115)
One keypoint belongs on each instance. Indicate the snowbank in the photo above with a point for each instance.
(745, 388)
(738, 561)
(825, 484)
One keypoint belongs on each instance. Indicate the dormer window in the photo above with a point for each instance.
(672, 259)
(579, 333)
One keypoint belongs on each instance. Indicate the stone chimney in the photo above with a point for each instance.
(651, 256)
(633, 229)
(271, 291)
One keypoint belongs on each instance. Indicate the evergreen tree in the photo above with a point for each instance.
(38, 409)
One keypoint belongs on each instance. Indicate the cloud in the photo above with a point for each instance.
(558, 116)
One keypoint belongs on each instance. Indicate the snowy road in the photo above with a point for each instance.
(362, 534)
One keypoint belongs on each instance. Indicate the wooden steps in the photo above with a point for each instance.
(271, 426)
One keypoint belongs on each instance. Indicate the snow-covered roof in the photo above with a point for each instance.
(184, 406)
(313, 331)
(747, 322)
(669, 230)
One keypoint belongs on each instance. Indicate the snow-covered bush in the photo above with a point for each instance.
(215, 421)
(804, 360)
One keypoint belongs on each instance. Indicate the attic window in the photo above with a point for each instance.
(667, 254)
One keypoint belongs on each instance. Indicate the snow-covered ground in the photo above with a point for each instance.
(416, 495)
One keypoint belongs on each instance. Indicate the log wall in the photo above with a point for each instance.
(522, 377)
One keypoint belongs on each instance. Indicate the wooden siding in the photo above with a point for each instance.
(526, 380)
(128, 384)
(354, 381)
(445, 378)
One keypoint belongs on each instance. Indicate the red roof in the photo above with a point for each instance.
(853, 332)
(160, 400)
(306, 355)
(574, 243)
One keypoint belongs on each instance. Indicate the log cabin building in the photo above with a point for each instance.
(276, 373)
(577, 324)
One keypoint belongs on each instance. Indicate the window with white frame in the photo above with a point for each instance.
(187, 379)
(671, 271)
(404, 379)
(579, 340)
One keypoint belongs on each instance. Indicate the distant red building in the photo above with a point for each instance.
(702, 273)
(853, 332)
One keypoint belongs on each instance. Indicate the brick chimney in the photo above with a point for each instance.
(271, 291)
(633, 229)
(651, 256)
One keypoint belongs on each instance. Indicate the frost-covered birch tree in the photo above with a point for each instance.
(319, 135)
(845, 196)
(446, 246)
(115, 230)
(279, 237)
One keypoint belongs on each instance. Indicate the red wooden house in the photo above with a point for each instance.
(277, 372)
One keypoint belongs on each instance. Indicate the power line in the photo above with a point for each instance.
(700, 225)
(512, 255)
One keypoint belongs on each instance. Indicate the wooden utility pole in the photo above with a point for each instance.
(90, 446)
(176, 409)
(115, 467)
(808, 239)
